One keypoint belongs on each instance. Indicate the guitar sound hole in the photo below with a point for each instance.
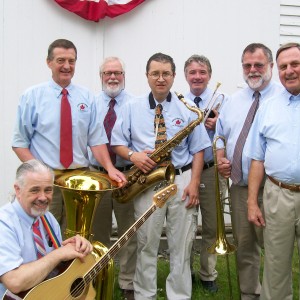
(77, 287)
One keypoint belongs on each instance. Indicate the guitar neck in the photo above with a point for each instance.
(102, 263)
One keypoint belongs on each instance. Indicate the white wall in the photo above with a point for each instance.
(216, 28)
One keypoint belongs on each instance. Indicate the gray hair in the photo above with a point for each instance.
(254, 46)
(31, 166)
(109, 59)
(200, 59)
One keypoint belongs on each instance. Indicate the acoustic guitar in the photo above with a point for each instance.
(75, 279)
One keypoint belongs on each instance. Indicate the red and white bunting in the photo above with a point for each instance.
(94, 10)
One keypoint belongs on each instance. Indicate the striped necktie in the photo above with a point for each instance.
(160, 131)
(66, 145)
(37, 237)
(236, 168)
(109, 122)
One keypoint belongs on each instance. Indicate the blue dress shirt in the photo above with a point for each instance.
(102, 106)
(135, 128)
(231, 121)
(17, 244)
(38, 124)
(206, 102)
(275, 137)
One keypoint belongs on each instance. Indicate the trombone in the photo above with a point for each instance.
(222, 246)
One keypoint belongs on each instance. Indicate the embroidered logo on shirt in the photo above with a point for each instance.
(178, 122)
(82, 107)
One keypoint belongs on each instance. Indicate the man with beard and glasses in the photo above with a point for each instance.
(234, 124)
(23, 265)
(112, 97)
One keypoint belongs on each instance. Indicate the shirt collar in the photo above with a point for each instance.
(28, 220)
(57, 88)
(152, 101)
(118, 98)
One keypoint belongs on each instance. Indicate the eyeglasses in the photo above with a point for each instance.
(109, 73)
(257, 66)
(164, 75)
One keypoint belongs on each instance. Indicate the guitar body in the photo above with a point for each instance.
(77, 280)
(68, 285)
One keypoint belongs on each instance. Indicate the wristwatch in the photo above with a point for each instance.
(130, 154)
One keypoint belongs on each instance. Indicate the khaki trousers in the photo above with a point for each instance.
(282, 212)
(102, 229)
(249, 238)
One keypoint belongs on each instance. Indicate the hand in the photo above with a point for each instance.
(117, 176)
(75, 247)
(211, 122)
(255, 216)
(142, 161)
(192, 192)
(224, 167)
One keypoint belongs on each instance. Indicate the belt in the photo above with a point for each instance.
(122, 169)
(183, 169)
(208, 165)
(291, 187)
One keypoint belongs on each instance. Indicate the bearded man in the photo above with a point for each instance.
(109, 103)
(234, 124)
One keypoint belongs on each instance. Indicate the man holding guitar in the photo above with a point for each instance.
(24, 261)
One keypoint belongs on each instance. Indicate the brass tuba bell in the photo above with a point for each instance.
(82, 192)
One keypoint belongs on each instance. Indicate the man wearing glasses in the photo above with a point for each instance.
(143, 123)
(112, 97)
(234, 124)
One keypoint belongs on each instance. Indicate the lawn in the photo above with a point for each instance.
(222, 281)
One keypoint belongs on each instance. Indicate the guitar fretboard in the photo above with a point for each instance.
(92, 274)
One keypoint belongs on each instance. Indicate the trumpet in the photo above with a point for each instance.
(213, 104)
(222, 246)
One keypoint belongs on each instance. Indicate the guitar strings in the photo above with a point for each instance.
(91, 274)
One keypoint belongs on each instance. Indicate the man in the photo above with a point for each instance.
(20, 269)
(112, 75)
(275, 149)
(197, 70)
(257, 64)
(41, 123)
(144, 122)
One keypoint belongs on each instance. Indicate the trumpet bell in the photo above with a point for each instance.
(221, 246)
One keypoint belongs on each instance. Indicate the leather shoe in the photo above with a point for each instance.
(128, 294)
(210, 286)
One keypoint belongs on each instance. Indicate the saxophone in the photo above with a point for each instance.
(138, 181)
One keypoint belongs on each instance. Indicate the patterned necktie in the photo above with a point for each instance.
(37, 237)
(236, 168)
(66, 145)
(109, 122)
(197, 101)
(160, 131)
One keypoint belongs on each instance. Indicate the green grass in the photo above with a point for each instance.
(222, 281)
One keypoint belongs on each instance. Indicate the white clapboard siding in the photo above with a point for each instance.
(289, 21)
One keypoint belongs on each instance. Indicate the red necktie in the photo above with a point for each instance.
(66, 146)
(37, 237)
(236, 171)
(109, 122)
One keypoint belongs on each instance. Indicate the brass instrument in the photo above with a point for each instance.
(82, 192)
(138, 181)
(222, 246)
(213, 104)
